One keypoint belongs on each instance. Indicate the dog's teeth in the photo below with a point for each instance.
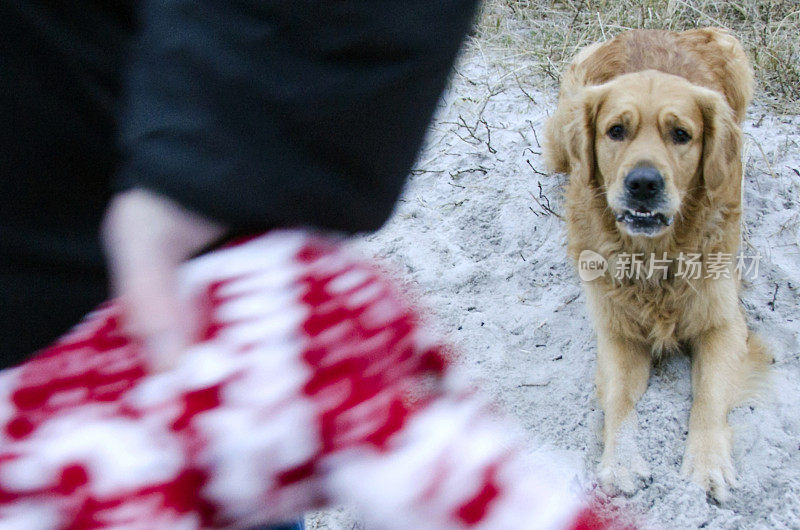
(631, 215)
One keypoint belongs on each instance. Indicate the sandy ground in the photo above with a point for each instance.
(478, 236)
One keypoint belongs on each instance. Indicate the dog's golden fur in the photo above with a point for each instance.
(653, 83)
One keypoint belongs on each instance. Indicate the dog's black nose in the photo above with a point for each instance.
(644, 183)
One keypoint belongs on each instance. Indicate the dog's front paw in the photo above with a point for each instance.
(708, 463)
(616, 476)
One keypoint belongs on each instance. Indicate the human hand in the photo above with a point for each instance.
(146, 237)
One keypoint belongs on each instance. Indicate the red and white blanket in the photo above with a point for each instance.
(309, 382)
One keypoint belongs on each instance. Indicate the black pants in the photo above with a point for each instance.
(39, 304)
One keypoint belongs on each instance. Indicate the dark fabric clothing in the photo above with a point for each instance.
(256, 113)
(39, 301)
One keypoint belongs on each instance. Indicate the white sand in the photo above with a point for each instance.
(490, 262)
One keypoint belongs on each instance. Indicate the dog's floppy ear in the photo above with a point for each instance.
(722, 148)
(570, 134)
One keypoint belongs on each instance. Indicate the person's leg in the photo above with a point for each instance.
(40, 303)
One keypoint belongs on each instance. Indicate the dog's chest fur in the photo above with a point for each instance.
(659, 312)
(663, 313)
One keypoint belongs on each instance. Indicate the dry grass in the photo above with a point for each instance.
(550, 32)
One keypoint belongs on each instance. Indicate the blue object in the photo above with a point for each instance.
(297, 525)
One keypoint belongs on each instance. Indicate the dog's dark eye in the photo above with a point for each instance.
(616, 132)
(680, 136)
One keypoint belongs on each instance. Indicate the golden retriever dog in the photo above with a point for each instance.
(648, 129)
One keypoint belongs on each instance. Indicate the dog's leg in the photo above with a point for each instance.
(623, 369)
(718, 366)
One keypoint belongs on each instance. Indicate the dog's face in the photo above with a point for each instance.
(648, 144)
(651, 136)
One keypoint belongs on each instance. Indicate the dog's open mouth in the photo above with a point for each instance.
(641, 221)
